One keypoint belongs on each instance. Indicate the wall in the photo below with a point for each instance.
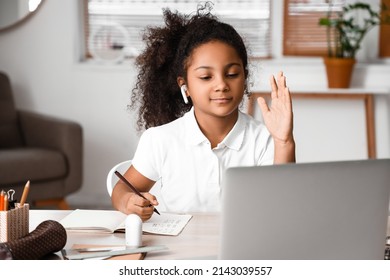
(41, 57)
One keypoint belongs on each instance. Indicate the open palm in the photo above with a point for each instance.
(278, 117)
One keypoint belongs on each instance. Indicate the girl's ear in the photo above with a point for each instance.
(180, 81)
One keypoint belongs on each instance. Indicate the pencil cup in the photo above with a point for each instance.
(14, 223)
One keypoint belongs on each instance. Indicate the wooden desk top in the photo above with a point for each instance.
(198, 240)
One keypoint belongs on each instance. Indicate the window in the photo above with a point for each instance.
(302, 34)
(114, 27)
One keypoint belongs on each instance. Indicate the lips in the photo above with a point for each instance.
(221, 100)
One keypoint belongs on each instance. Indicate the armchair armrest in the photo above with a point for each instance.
(58, 134)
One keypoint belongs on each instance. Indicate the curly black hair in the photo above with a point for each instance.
(165, 58)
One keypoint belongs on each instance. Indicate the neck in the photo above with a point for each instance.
(216, 128)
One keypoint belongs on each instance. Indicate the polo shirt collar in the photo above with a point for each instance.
(235, 137)
(233, 140)
(194, 135)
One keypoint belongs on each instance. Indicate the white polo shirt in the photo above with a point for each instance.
(179, 156)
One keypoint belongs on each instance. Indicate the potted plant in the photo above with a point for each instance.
(345, 32)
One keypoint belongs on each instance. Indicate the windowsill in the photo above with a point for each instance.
(303, 61)
(95, 65)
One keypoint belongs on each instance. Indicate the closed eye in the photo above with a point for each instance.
(232, 75)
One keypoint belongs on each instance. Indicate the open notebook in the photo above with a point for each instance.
(110, 221)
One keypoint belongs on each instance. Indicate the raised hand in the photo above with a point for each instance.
(279, 116)
(279, 119)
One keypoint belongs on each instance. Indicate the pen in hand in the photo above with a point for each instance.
(133, 188)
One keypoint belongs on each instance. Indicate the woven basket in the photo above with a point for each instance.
(14, 223)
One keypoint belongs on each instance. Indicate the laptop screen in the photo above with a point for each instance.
(330, 210)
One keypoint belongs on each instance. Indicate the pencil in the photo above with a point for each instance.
(5, 207)
(25, 193)
(133, 188)
(2, 195)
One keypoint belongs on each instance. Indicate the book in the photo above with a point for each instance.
(110, 221)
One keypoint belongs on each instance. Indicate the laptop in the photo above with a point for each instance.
(327, 210)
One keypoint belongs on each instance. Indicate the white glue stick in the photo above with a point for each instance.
(133, 231)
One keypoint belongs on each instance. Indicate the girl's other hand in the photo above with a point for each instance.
(278, 118)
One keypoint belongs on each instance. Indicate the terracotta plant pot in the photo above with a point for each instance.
(339, 71)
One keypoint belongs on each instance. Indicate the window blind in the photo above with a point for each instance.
(384, 35)
(302, 34)
(114, 26)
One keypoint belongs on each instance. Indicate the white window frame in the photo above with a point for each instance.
(239, 13)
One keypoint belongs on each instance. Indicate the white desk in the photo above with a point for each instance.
(198, 240)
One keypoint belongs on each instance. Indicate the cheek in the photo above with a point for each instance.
(238, 85)
(198, 88)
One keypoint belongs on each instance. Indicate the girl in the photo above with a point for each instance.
(192, 79)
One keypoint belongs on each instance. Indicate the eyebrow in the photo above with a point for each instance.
(227, 66)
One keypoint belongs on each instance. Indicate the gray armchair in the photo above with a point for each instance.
(45, 150)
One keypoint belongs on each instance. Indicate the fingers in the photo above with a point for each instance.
(139, 201)
(283, 89)
(140, 206)
(287, 94)
(278, 86)
(274, 87)
(152, 199)
(281, 80)
(145, 213)
(263, 105)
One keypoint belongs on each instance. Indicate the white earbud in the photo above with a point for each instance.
(183, 90)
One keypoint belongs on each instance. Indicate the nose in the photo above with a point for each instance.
(221, 85)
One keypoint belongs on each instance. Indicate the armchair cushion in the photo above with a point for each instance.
(64, 136)
(35, 164)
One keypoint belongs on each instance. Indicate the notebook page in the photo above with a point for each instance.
(166, 224)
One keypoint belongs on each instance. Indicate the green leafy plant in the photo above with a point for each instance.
(347, 28)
